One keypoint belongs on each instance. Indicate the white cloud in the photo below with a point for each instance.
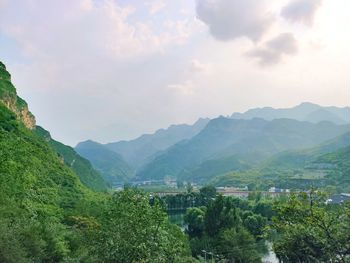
(194, 71)
(104, 27)
(301, 11)
(231, 19)
(273, 51)
(102, 69)
(197, 66)
(185, 88)
(155, 6)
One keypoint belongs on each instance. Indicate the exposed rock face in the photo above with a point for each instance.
(8, 96)
(27, 117)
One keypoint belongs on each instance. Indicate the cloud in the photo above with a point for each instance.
(273, 51)
(104, 27)
(155, 6)
(194, 70)
(301, 11)
(185, 88)
(114, 57)
(197, 66)
(231, 19)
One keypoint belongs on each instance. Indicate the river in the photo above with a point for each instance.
(177, 218)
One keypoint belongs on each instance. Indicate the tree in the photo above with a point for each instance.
(264, 208)
(237, 245)
(134, 231)
(220, 214)
(311, 231)
(194, 219)
(208, 191)
(255, 224)
(189, 188)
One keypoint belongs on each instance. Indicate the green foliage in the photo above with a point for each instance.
(194, 218)
(220, 214)
(134, 231)
(37, 192)
(48, 215)
(255, 224)
(228, 229)
(208, 192)
(80, 166)
(308, 230)
(140, 151)
(325, 166)
(237, 245)
(226, 145)
(8, 120)
(110, 164)
(6, 87)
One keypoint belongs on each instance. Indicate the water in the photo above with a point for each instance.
(176, 218)
(271, 256)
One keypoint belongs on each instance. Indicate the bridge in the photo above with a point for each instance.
(235, 193)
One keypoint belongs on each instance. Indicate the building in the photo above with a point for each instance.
(338, 199)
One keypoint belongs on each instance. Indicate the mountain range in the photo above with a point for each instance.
(110, 164)
(141, 150)
(304, 112)
(306, 144)
(242, 141)
(209, 148)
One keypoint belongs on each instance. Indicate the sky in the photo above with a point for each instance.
(112, 70)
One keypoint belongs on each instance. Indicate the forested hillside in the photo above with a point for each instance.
(81, 166)
(242, 143)
(323, 166)
(47, 214)
(110, 164)
(141, 150)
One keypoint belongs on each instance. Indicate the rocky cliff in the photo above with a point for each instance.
(8, 96)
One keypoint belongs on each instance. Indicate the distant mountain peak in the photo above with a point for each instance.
(308, 105)
(306, 111)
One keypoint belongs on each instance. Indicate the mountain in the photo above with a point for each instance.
(302, 158)
(9, 98)
(324, 165)
(80, 166)
(110, 164)
(303, 112)
(244, 141)
(39, 193)
(339, 175)
(141, 150)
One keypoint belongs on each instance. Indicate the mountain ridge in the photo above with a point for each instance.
(9, 99)
(305, 111)
(254, 139)
(110, 164)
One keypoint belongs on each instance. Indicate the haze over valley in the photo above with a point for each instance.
(186, 131)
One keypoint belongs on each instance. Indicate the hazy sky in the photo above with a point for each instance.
(114, 69)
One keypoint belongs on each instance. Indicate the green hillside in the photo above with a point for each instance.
(47, 214)
(321, 166)
(110, 164)
(244, 141)
(339, 162)
(80, 166)
(38, 192)
(143, 149)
